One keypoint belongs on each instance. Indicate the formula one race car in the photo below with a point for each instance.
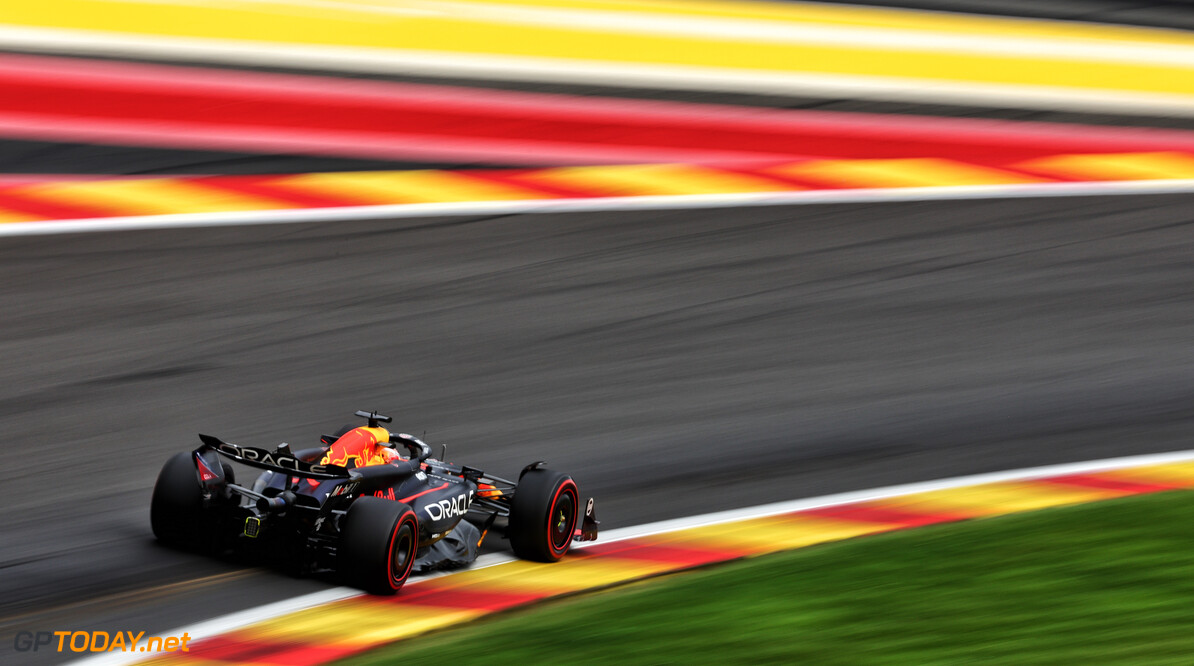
(337, 508)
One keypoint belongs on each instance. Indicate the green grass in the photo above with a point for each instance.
(1111, 582)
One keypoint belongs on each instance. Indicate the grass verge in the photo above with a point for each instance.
(1110, 582)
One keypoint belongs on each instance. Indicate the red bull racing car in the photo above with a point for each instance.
(356, 507)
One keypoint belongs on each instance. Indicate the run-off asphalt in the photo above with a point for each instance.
(674, 362)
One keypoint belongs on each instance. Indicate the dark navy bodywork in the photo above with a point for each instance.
(293, 511)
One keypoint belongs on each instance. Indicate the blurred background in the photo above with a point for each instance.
(675, 360)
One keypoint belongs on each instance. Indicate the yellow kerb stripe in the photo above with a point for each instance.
(349, 623)
(906, 172)
(766, 535)
(1178, 474)
(151, 196)
(391, 187)
(7, 215)
(998, 498)
(1116, 166)
(855, 16)
(655, 179)
(486, 28)
(296, 20)
(568, 575)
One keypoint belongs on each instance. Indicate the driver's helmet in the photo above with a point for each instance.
(360, 447)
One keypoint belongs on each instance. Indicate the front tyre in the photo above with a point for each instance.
(176, 510)
(378, 543)
(543, 515)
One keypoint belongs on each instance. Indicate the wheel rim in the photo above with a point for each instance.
(403, 552)
(563, 521)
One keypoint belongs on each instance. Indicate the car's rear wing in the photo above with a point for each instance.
(277, 461)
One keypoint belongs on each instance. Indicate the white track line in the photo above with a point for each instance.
(671, 202)
(234, 621)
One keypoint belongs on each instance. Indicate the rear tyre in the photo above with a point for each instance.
(176, 510)
(378, 542)
(543, 515)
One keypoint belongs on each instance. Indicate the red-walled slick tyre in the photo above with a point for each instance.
(543, 515)
(378, 542)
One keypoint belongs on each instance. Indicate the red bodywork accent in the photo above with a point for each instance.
(206, 473)
(429, 490)
(385, 494)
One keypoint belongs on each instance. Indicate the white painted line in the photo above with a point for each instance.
(670, 202)
(617, 74)
(234, 621)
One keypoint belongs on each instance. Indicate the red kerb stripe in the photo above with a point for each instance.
(1104, 483)
(248, 649)
(637, 550)
(17, 200)
(64, 98)
(273, 187)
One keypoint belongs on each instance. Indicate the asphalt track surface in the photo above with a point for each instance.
(676, 362)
